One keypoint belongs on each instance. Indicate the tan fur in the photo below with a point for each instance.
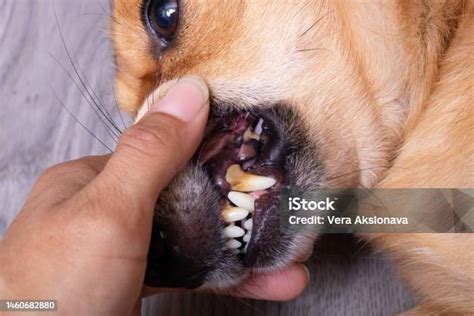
(384, 86)
(438, 153)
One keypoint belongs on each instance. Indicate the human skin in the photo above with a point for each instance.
(83, 234)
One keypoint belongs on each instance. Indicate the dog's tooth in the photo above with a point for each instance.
(242, 200)
(259, 127)
(248, 224)
(232, 214)
(245, 249)
(247, 236)
(235, 251)
(233, 244)
(254, 183)
(249, 134)
(247, 182)
(234, 174)
(233, 231)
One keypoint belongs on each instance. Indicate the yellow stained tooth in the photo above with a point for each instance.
(233, 214)
(249, 134)
(242, 200)
(234, 174)
(247, 182)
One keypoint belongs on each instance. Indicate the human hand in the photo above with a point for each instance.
(82, 237)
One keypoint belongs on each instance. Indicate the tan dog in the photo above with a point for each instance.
(375, 93)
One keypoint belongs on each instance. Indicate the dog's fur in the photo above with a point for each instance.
(384, 87)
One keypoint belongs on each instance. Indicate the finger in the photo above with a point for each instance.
(152, 151)
(63, 180)
(280, 285)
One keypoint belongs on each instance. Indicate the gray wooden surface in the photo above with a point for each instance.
(35, 132)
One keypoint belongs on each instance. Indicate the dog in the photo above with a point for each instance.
(315, 94)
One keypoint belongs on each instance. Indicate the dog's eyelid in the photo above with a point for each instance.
(161, 18)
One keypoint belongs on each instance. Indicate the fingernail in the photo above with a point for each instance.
(185, 99)
(305, 268)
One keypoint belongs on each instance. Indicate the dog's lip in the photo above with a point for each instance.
(190, 221)
(269, 163)
(263, 206)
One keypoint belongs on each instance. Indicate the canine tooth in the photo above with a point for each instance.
(234, 174)
(247, 182)
(249, 134)
(245, 249)
(233, 232)
(242, 200)
(236, 251)
(248, 224)
(247, 236)
(259, 127)
(233, 214)
(233, 244)
(254, 183)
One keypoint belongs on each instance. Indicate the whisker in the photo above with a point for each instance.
(93, 108)
(315, 23)
(107, 13)
(83, 83)
(118, 110)
(101, 103)
(78, 121)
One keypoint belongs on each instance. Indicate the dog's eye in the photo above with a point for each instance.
(162, 16)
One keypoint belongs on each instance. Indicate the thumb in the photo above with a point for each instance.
(150, 153)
